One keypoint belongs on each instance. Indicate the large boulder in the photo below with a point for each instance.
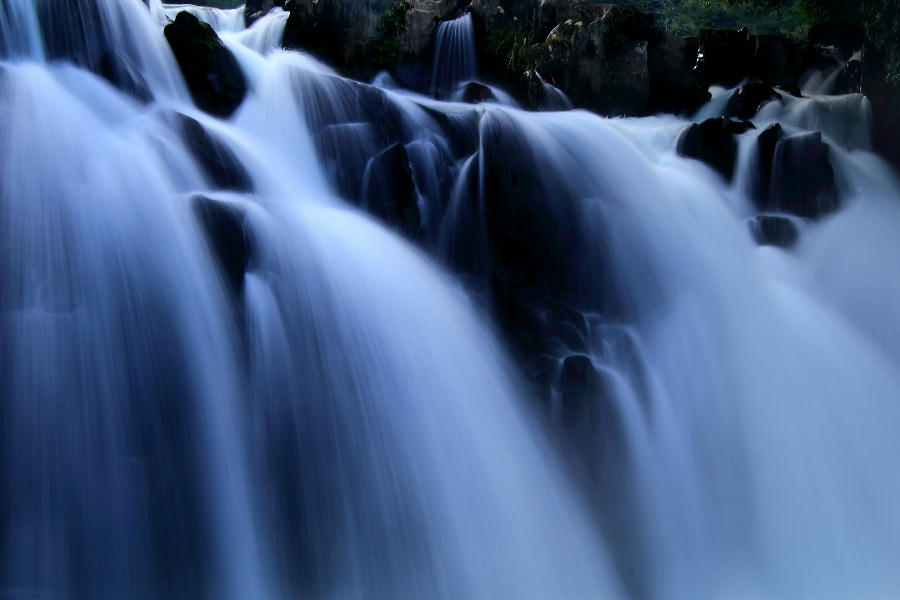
(475, 93)
(213, 75)
(714, 142)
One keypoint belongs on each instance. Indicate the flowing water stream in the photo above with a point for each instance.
(342, 419)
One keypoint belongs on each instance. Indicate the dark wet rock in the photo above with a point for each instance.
(714, 143)
(793, 90)
(225, 229)
(213, 75)
(345, 150)
(475, 93)
(255, 9)
(598, 64)
(118, 69)
(728, 57)
(884, 93)
(674, 84)
(75, 31)
(802, 176)
(614, 59)
(765, 155)
(770, 230)
(460, 129)
(579, 382)
(746, 101)
(849, 79)
(365, 37)
(218, 162)
(389, 191)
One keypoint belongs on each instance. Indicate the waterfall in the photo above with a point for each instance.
(326, 347)
(335, 422)
(454, 55)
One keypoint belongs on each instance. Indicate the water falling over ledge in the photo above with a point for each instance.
(260, 391)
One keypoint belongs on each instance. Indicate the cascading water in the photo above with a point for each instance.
(312, 408)
(454, 55)
(334, 423)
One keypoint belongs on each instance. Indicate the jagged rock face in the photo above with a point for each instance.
(603, 64)
(620, 62)
(365, 35)
(213, 76)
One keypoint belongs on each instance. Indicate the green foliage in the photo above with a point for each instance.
(387, 50)
(882, 22)
(509, 43)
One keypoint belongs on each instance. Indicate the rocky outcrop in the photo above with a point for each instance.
(619, 62)
(213, 76)
(364, 37)
(714, 142)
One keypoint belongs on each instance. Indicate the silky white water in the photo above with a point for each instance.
(345, 422)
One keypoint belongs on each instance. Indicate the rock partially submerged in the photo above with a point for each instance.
(213, 75)
(714, 142)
